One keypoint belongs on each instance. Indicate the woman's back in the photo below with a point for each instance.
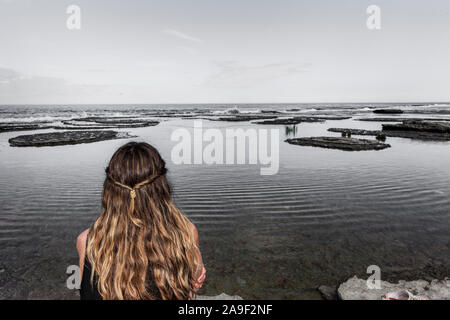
(89, 290)
(141, 246)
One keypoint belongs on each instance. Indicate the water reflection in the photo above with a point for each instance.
(290, 131)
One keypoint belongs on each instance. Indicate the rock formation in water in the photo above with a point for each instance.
(297, 120)
(386, 119)
(419, 130)
(18, 126)
(239, 118)
(65, 138)
(90, 123)
(289, 121)
(358, 132)
(341, 143)
(419, 126)
(388, 111)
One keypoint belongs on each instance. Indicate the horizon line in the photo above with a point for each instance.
(209, 103)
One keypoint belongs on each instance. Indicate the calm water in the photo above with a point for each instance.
(326, 216)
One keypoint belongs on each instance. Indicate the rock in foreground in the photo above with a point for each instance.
(356, 289)
(328, 293)
(222, 296)
(345, 144)
(65, 138)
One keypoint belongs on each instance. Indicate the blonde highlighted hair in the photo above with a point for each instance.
(141, 237)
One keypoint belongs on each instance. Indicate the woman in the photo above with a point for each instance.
(141, 246)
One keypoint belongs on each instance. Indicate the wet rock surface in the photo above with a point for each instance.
(357, 289)
(328, 292)
(65, 138)
(345, 144)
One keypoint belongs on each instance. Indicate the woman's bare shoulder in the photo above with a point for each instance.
(194, 231)
(81, 240)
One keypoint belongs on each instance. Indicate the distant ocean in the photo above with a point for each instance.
(326, 216)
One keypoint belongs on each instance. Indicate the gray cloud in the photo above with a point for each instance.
(8, 75)
(25, 89)
(162, 52)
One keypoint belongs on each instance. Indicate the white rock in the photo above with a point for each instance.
(357, 289)
(222, 296)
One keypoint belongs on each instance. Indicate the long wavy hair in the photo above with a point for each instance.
(140, 233)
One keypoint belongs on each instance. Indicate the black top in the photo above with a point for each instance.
(89, 291)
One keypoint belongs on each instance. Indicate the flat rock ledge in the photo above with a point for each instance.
(357, 132)
(8, 127)
(345, 144)
(91, 123)
(65, 138)
(419, 126)
(104, 124)
(357, 289)
(386, 119)
(420, 130)
(222, 296)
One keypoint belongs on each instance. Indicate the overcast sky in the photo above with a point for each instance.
(223, 51)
